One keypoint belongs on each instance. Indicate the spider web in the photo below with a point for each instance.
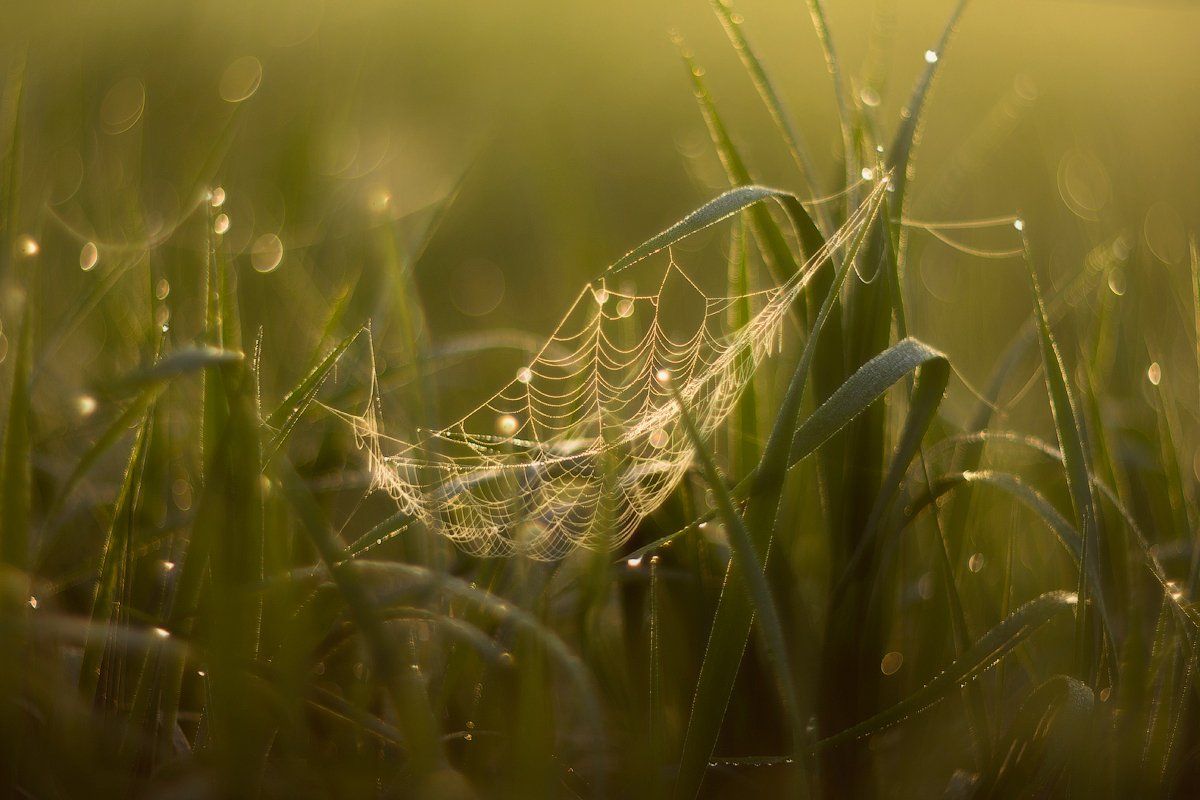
(587, 440)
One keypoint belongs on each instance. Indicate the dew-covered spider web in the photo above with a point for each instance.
(586, 439)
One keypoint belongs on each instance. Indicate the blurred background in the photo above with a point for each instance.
(567, 133)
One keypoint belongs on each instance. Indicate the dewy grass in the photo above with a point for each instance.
(656, 563)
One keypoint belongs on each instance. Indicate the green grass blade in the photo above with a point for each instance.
(732, 621)
(993, 646)
(114, 561)
(1070, 438)
(15, 478)
(732, 22)
(865, 386)
(746, 573)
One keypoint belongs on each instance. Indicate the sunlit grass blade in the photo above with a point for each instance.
(732, 620)
(1071, 442)
(289, 411)
(993, 646)
(771, 241)
(746, 573)
(732, 22)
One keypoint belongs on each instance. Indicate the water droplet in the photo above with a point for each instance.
(202, 673)
(976, 562)
(162, 289)
(659, 438)
(654, 561)
(868, 174)
(869, 97)
(1154, 373)
(217, 197)
(168, 566)
(507, 425)
(359, 670)
(266, 252)
(221, 224)
(33, 601)
(379, 201)
(624, 308)
(663, 375)
(1019, 224)
(319, 669)
(28, 246)
(85, 405)
(161, 633)
(931, 56)
(88, 257)
(633, 563)
(524, 375)
(506, 659)
(925, 586)
(470, 725)
(467, 737)
(1105, 693)
(162, 315)
(601, 295)
(122, 107)
(890, 664)
(241, 79)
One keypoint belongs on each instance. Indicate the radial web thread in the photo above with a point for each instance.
(587, 440)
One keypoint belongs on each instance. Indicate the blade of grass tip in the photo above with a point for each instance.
(1070, 438)
(732, 22)
(732, 620)
(112, 434)
(771, 241)
(289, 411)
(993, 646)
(750, 568)
(181, 362)
(816, 11)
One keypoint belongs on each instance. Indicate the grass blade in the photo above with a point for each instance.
(984, 654)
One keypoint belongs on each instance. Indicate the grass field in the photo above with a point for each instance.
(363, 438)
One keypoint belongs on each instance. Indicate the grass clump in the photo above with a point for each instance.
(737, 525)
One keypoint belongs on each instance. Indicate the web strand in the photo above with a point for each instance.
(586, 440)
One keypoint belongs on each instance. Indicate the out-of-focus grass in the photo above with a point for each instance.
(948, 540)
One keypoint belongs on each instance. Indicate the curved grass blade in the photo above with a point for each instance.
(732, 621)
(865, 386)
(1047, 734)
(983, 655)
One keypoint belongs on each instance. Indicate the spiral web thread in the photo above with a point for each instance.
(587, 439)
